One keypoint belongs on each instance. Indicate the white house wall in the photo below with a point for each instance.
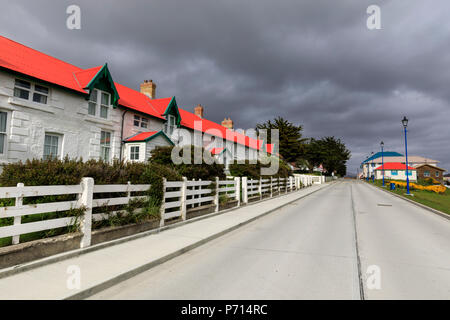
(65, 114)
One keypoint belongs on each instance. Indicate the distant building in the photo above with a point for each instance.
(425, 171)
(395, 171)
(368, 166)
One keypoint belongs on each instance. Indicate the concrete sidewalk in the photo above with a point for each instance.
(106, 267)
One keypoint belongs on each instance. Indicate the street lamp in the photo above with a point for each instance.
(373, 171)
(367, 161)
(382, 159)
(405, 124)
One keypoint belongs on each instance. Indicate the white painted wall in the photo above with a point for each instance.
(65, 114)
(401, 175)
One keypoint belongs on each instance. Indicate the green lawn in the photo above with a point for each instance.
(436, 201)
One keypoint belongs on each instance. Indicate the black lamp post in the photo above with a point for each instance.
(405, 124)
(382, 159)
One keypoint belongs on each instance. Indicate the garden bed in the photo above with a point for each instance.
(38, 249)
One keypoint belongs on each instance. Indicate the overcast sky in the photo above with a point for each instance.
(313, 62)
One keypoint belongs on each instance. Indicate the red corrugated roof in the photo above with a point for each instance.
(22, 59)
(395, 166)
(142, 136)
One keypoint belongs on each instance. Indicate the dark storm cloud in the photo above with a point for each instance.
(312, 62)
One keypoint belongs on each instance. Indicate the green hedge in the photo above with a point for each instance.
(204, 171)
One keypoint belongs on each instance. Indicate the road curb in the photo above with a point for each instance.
(440, 213)
(133, 272)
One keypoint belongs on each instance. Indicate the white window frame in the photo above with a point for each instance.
(168, 128)
(31, 91)
(60, 138)
(427, 173)
(106, 146)
(98, 104)
(5, 134)
(140, 122)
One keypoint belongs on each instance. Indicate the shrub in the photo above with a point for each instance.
(204, 171)
(253, 170)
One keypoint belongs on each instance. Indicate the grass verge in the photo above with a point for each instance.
(433, 200)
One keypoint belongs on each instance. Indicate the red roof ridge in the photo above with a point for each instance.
(39, 52)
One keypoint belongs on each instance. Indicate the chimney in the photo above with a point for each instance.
(198, 110)
(148, 87)
(227, 123)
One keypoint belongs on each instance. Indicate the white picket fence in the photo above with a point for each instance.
(179, 196)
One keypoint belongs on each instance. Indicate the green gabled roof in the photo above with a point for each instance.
(173, 108)
(98, 81)
(147, 136)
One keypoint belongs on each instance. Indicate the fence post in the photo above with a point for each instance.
(18, 220)
(285, 185)
(86, 199)
(183, 198)
(271, 186)
(260, 188)
(244, 190)
(200, 189)
(216, 196)
(290, 183)
(162, 209)
(237, 192)
(128, 191)
(279, 186)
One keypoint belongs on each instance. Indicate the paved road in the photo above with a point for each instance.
(349, 241)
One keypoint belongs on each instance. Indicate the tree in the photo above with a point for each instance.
(329, 152)
(291, 143)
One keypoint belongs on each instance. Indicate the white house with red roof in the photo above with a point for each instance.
(51, 108)
(395, 171)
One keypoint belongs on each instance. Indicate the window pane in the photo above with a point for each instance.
(20, 93)
(3, 117)
(144, 124)
(91, 109)
(41, 89)
(2, 142)
(39, 98)
(137, 118)
(93, 96)
(172, 120)
(23, 84)
(104, 112)
(51, 146)
(105, 99)
(136, 123)
(105, 138)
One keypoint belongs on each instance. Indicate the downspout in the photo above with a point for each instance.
(121, 135)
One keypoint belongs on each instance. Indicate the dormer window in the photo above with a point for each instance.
(170, 125)
(99, 103)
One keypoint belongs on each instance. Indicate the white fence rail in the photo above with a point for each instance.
(179, 196)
